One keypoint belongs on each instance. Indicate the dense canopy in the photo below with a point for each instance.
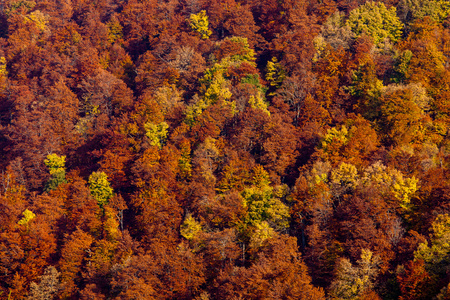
(234, 149)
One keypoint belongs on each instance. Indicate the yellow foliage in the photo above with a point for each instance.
(275, 73)
(190, 228)
(257, 102)
(262, 232)
(199, 23)
(335, 135)
(215, 87)
(156, 133)
(319, 172)
(345, 174)
(393, 181)
(194, 110)
(115, 32)
(403, 189)
(3, 71)
(184, 163)
(260, 177)
(100, 188)
(218, 89)
(263, 202)
(111, 225)
(352, 281)
(28, 215)
(55, 163)
(436, 256)
(39, 19)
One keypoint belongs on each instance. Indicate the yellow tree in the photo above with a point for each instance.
(199, 23)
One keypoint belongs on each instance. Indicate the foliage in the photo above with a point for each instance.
(402, 66)
(3, 71)
(436, 254)
(437, 10)
(48, 285)
(335, 33)
(262, 202)
(21, 4)
(115, 30)
(215, 84)
(190, 228)
(224, 149)
(28, 215)
(199, 23)
(345, 174)
(156, 133)
(100, 188)
(257, 102)
(274, 73)
(57, 170)
(374, 19)
(353, 281)
(39, 19)
(393, 181)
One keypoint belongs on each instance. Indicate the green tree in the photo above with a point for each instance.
(436, 254)
(156, 133)
(374, 19)
(264, 203)
(100, 188)
(437, 10)
(57, 170)
(215, 85)
(401, 67)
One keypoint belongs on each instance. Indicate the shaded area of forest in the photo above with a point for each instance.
(233, 149)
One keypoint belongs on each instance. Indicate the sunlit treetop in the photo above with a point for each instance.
(377, 21)
(199, 23)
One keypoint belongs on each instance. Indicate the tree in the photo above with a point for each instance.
(232, 18)
(403, 115)
(437, 10)
(100, 188)
(57, 170)
(354, 142)
(277, 273)
(436, 254)
(414, 281)
(156, 133)
(199, 23)
(263, 202)
(374, 19)
(334, 32)
(190, 228)
(76, 250)
(352, 282)
(47, 287)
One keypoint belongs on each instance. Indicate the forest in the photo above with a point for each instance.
(233, 149)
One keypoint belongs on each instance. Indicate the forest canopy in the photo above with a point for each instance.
(232, 149)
